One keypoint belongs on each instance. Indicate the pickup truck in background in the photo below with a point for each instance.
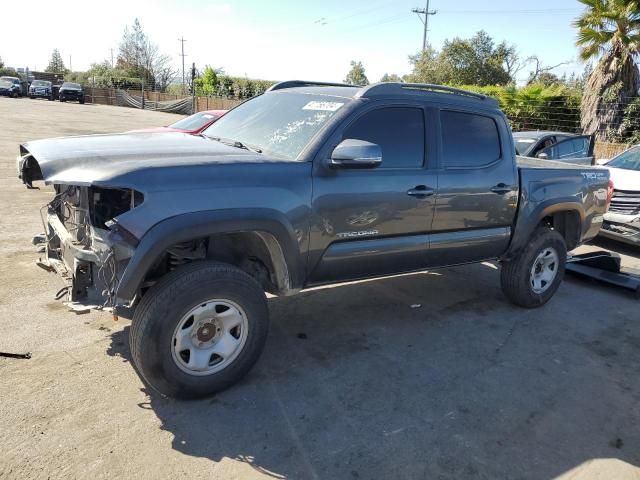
(307, 184)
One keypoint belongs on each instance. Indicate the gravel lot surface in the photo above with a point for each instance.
(431, 375)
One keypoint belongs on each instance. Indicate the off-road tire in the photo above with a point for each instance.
(162, 308)
(515, 276)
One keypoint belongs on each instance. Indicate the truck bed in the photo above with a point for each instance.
(529, 162)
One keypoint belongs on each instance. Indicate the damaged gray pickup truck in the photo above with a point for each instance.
(307, 184)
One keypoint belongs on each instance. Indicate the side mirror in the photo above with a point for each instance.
(352, 153)
(543, 156)
(602, 161)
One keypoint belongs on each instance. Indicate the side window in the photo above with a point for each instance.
(572, 148)
(468, 140)
(400, 132)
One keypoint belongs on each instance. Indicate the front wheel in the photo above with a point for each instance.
(531, 279)
(199, 330)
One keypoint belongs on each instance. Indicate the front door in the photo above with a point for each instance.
(375, 221)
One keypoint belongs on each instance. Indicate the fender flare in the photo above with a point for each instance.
(529, 219)
(188, 226)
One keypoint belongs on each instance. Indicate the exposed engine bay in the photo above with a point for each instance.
(80, 244)
(84, 244)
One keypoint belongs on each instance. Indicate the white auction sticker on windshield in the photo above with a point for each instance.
(323, 106)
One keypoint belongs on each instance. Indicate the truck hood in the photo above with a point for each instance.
(98, 159)
(623, 179)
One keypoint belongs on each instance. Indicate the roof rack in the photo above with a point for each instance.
(391, 88)
(304, 83)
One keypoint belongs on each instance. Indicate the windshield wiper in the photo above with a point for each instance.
(235, 143)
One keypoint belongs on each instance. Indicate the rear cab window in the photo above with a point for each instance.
(469, 140)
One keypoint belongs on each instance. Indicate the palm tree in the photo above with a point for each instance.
(609, 32)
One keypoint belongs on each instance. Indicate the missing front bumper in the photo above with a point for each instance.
(91, 272)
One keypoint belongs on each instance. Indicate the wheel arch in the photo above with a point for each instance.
(567, 217)
(261, 228)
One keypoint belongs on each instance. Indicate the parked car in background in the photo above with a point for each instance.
(10, 87)
(193, 124)
(41, 88)
(622, 221)
(71, 91)
(558, 146)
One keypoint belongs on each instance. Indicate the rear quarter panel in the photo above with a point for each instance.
(550, 187)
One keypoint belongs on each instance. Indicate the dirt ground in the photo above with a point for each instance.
(432, 375)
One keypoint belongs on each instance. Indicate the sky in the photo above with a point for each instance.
(287, 39)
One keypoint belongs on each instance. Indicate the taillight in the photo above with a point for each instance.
(609, 193)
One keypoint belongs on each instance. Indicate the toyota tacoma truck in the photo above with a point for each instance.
(305, 185)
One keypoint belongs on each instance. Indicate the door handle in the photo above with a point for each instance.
(421, 191)
(502, 188)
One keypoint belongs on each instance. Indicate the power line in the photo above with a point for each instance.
(182, 40)
(513, 12)
(426, 12)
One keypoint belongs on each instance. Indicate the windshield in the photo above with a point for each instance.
(523, 144)
(40, 83)
(629, 160)
(70, 85)
(4, 83)
(194, 121)
(281, 124)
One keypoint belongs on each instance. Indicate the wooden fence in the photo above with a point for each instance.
(608, 150)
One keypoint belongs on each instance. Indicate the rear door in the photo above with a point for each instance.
(477, 188)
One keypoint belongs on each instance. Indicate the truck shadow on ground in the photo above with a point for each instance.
(432, 375)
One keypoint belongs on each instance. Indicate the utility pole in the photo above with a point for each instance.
(182, 40)
(70, 68)
(111, 57)
(426, 12)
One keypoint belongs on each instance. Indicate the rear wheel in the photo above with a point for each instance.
(532, 278)
(199, 330)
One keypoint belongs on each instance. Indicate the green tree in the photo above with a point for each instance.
(476, 61)
(609, 33)
(207, 82)
(428, 68)
(356, 75)
(8, 71)
(56, 64)
(391, 78)
(473, 61)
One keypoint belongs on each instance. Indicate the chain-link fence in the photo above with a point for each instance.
(184, 104)
(555, 111)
